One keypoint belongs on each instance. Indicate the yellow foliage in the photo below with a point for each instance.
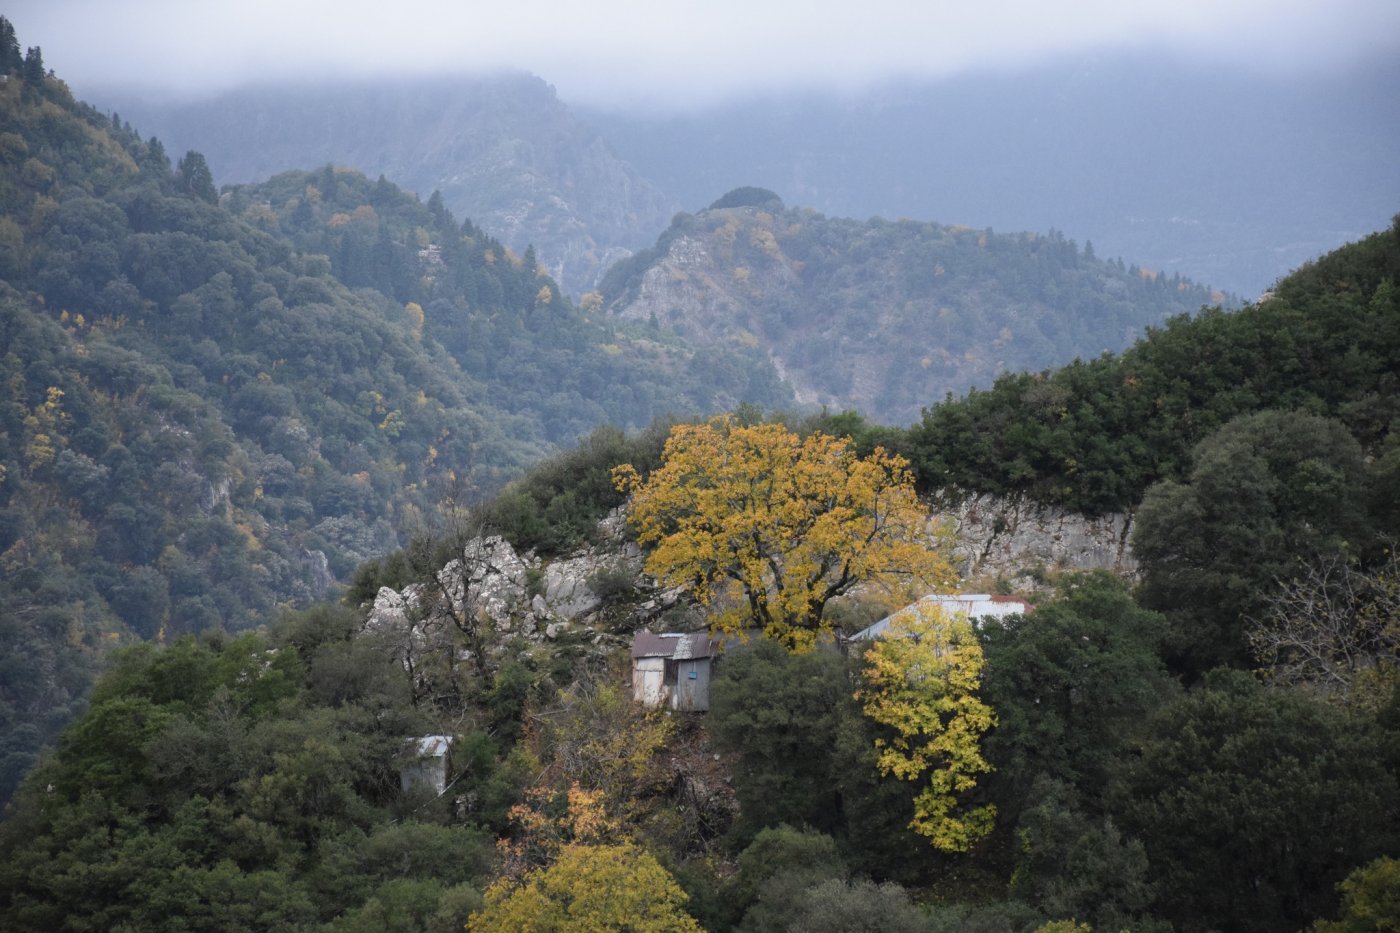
(765, 528)
(591, 302)
(544, 296)
(921, 681)
(42, 430)
(415, 314)
(588, 889)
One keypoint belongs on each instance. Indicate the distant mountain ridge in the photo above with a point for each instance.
(1209, 172)
(502, 150)
(886, 317)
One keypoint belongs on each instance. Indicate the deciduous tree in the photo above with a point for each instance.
(590, 888)
(921, 681)
(767, 528)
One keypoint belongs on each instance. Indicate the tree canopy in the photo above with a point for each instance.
(767, 528)
(921, 683)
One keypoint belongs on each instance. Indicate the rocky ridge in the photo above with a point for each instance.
(600, 595)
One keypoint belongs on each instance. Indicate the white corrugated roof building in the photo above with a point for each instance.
(968, 605)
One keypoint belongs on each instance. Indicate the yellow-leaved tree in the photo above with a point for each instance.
(588, 876)
(589, 889)
(766, 528)
(921, 681)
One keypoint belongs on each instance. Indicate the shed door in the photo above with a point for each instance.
(693, 685)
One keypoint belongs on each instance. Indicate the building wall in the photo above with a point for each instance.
(648, 687)
(692, 690)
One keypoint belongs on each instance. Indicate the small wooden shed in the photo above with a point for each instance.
(427, 766)
(673, 669)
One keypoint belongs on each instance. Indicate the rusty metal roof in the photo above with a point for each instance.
(678, 646)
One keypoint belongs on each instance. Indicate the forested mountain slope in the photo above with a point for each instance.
(885, 317)
(1093, 436)
(202, 423)
(502, 150)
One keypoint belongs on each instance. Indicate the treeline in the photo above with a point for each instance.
(252, 783)
(1093, 436)
(1123, 801)
(557, 369)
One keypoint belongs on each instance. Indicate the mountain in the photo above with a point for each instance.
(880, 316)
(1093, 436)
(502, 150)
(1208, 172)
(202, 424)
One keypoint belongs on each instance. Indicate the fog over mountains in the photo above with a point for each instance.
(1224, 176)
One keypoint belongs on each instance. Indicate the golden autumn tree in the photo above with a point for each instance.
(590, 888)
(766, 528)
(921, 681)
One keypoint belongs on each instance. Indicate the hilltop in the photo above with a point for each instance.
(881, 316)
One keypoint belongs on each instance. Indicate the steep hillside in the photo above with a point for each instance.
(201, 424)
(885, 317)
(503, 151)
(1093, 436)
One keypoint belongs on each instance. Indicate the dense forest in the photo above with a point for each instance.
(217, 404)
(214, 409)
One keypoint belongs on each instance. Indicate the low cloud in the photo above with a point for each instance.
(658, 53)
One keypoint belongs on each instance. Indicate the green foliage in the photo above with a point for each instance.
(238, 783)
(1264, 492)
(780, 714)
(1072, 684)
(558, 503)
(1093, 436)
(1370, 900)
(1073, 865)
(1253, 804)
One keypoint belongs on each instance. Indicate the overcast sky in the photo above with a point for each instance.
(658, 52)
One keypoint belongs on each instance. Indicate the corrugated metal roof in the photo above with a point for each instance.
(968, 605)
(433, 746)
(651, 645)
(678, 646)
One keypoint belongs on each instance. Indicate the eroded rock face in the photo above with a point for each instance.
(493, 574)
(566, 590)
(522, 596)
(1021, 540)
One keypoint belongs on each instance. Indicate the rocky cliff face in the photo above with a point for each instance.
(600, 594)
(1021, 542)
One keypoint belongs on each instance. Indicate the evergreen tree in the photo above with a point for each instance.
(11, 60)
(34, 66)
(196, 179)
